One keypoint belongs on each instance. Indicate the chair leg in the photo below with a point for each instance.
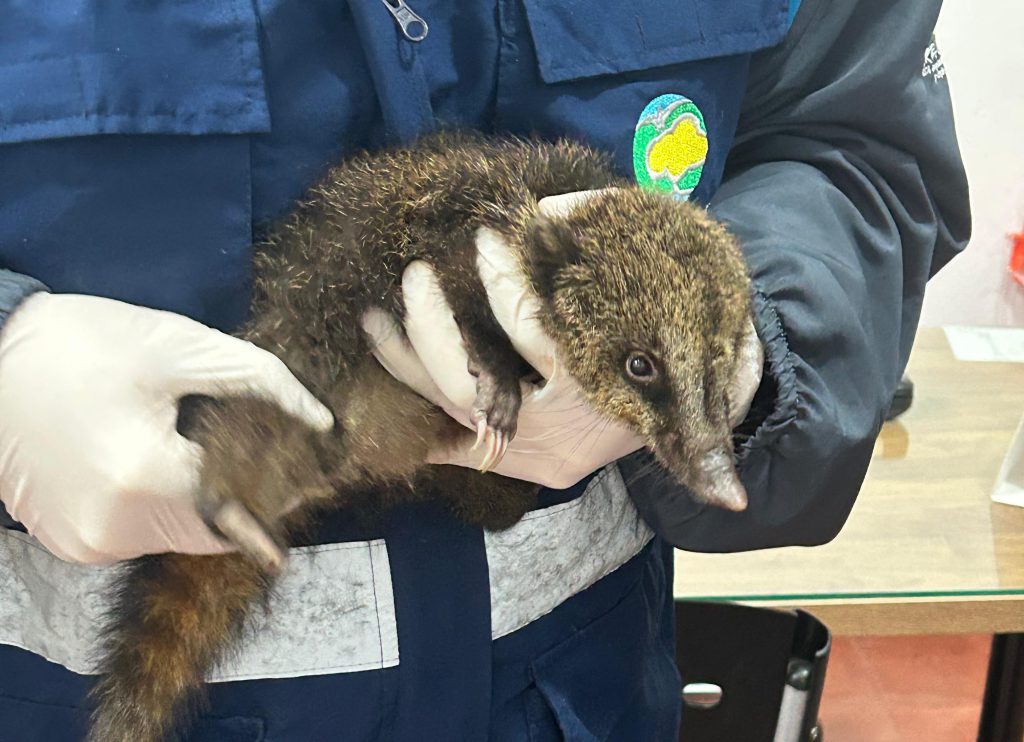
(1002, 713)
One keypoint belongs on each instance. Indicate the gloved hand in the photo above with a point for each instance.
(90, 461)
(560, 439)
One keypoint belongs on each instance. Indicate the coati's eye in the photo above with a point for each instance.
(640, 367)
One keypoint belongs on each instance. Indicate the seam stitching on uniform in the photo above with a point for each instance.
(756, 35)
(96, 123)
(76, 69)
(325, 670)
(45, 704)
(240, 48)
(376, 608)
(555, 509)
(323, 549)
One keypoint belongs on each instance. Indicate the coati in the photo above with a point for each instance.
(647, 298)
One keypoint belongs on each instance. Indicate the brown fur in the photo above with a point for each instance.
(630, 271)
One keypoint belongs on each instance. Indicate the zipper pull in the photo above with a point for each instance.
(413, 27)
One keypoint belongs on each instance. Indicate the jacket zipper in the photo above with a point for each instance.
(413, 27)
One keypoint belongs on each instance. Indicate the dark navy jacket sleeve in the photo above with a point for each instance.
(15, 287)
(846, 188)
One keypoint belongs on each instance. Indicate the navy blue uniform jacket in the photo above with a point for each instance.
(142, 145)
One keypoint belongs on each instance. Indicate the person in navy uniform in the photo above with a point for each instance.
(142, 145)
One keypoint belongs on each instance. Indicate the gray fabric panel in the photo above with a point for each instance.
(559, 551)
(339, 593)
(334, 609)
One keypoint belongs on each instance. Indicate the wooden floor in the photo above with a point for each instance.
(905, 689)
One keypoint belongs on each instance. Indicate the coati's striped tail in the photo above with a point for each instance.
(172, 618)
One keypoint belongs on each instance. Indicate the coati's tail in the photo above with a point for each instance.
(173, 617)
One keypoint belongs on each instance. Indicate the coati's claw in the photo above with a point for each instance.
(496, 410)
(241, 528)
(486, 463)
(481, 432)
(498, 446)
(492, 453)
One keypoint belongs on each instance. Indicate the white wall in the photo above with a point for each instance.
(982, 43)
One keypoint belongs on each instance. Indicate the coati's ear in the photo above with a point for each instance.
(551, 247)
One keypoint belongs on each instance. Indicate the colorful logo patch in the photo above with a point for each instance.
(670, 145)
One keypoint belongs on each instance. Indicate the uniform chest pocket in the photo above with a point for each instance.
(124, 67)
(591, 68)
(582, 38)
(125, 146)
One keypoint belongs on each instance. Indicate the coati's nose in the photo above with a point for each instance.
(717, 482)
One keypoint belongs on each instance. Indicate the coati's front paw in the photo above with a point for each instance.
(496, 413)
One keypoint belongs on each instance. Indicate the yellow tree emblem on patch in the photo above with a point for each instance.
(670, 145)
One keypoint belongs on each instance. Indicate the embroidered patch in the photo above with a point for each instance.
(670, 145)
(933, 64)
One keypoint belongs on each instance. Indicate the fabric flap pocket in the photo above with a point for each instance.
(601, 681)
(228, 729)
(31, 720)
(585, 38)
(22, 719)
(123, 67)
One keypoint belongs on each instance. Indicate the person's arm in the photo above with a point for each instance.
(847, 191)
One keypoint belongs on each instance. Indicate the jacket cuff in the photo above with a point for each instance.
(776, 401)
(14, 289)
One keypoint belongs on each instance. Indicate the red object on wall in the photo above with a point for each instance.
(1017, 257)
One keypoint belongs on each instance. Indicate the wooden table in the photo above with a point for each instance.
(925, 550)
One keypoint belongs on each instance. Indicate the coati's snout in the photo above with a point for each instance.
(695, 443)
(710, 474)
(649, 299)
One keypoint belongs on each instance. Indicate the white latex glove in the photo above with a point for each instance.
(559, 439)
(90, 461)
